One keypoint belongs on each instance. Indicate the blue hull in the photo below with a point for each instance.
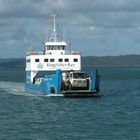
(51, 86)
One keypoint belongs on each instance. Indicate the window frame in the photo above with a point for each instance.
(46, 60)
(60, 60)
(75, 60)
(37, 60)
(66, 60)
(52, 60)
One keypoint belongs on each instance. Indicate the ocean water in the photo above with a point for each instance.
(115, 115)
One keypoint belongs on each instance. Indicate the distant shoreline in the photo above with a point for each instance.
(122, 61)
(111, 67)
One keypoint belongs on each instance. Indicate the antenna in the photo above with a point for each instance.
(29, 47)
(64, 35)
(47, 34)
(70, 45)
(54, 33)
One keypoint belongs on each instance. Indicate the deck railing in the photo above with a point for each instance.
(67, 52)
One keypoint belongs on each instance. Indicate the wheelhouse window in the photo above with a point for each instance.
(55, 47)
(48, 47)
(51, 47)
(79, 75)
(66, 60)
(60, 47)
(60, 60)
(46, 60)
(52, 60)
(36, 60)
(75, 60)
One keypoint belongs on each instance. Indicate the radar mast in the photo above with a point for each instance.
(54, 34)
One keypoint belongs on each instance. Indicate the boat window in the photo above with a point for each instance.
(55, 47)
(36, 60)
(48, 47)
(60, 60)
(45, 60)
(71, 75)
(66, 60)
(79, 75)
(75, 60)
(28, 60)
(51, 47)
(61, 47)
(51, 60)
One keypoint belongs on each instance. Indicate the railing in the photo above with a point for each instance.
(72, 52)
(34, 53)
(67, 52)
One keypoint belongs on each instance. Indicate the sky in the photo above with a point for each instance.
(94, 27)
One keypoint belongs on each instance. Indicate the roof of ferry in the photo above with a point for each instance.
(56, 43)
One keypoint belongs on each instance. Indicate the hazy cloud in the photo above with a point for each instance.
(96, 27)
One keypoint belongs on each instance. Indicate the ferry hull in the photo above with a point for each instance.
(71, 94)
(81, 93)
(52, 86)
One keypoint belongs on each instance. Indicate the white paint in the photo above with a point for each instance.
(52, 66)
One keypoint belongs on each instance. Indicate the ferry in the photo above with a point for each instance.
(56, 71)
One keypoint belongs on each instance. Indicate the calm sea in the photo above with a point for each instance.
(113, 116)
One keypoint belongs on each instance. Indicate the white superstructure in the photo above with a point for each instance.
(55, 55)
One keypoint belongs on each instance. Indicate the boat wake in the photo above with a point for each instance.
(12, 87)
(16, 88)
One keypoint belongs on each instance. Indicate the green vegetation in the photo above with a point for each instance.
(112, 61)
(88, 61)
(14, 69)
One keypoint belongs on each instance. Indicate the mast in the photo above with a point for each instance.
(54, 32)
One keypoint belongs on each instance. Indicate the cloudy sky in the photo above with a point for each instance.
(95, 27)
